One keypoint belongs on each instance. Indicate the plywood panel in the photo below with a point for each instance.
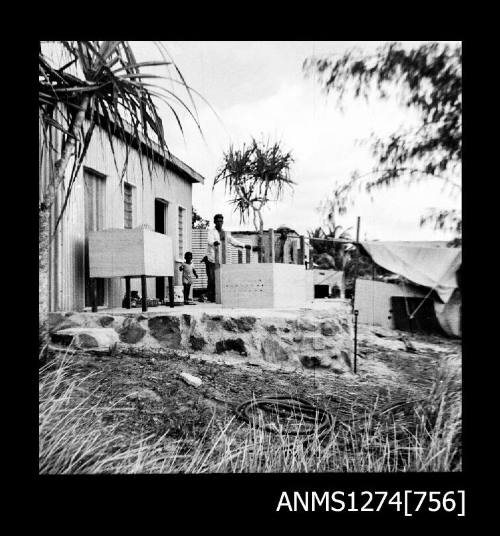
(122, 252)
(158, 254)
(373, 301)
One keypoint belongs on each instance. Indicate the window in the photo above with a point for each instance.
(161, 208)
(180, 228)
(127, 206)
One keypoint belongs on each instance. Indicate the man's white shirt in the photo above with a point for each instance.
(214, 236)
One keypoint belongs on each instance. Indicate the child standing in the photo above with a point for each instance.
(188, 272)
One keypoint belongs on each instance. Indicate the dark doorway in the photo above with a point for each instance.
(160, 227)
(321, 291)
(424, 321)
(95, 202)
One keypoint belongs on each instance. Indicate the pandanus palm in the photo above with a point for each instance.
(89, 83)
(254, 175)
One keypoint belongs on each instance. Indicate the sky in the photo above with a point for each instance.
(258, 89)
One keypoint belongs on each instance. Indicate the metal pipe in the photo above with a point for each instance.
(356, 312)
(356, 266)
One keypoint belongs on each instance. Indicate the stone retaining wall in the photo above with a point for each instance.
(311, 338)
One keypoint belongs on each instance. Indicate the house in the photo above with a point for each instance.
(156, 191)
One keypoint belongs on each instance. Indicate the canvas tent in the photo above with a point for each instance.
(427, 266)
(431, 267)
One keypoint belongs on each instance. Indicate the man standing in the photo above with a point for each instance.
(284, 246)
(214, 239)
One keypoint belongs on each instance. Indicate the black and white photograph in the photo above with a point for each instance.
(250, 258)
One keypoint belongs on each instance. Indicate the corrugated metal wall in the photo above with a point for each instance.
(66, 270)
(199, 250)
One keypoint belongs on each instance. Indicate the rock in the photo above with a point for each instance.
(144, 394)
(244, 323)
(379, 334)
(167, 330)
(346, 358)
(408, 345)
(304, 324)
(212, 322)
(55, 319)
(272, 350)
(67, 324)
(86, 337)
(229, 325)
(131, 332)
(228, 345)
(197, 343)
(329, 328)
(187, 319)
(314, 343)
(345, 326)
(106, 320)
(190, 379)
(338, 363)
(310, 361)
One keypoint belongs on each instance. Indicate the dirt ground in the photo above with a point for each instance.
(145, 390)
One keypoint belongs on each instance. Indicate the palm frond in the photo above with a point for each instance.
(113, 88)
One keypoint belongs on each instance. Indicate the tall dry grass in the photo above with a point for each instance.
(411, 436)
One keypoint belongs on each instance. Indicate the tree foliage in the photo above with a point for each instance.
(197, 221)
(327, 254)
(254, 175)
(428, 79)
(101, 82)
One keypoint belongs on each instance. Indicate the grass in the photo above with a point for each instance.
(77, 436)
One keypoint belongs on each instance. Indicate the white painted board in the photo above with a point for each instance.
(130, 252)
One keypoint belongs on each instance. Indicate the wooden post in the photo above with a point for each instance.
(223, 246)
(93, 291)
(144, 291)
(260, 243)
(248, 254)
(271, 245)
(240, 256)
(300, 255)
(171, 290)
(127, 292)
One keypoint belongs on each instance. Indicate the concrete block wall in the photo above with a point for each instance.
(264, 285)
(313, 339)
